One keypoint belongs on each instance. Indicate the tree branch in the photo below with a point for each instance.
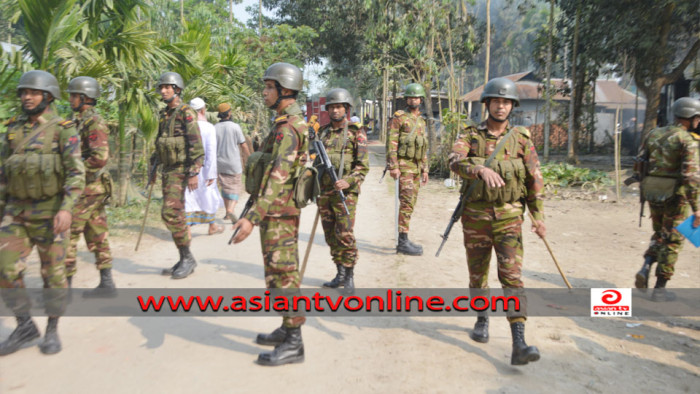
(674, 75)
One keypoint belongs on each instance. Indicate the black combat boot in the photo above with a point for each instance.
(287, 352)
(25, 332)
(274, 338)
(187, 264)
(169, 271)
(106, 288)
(349, 280)
(414, 245)
(339, 279)
(642, 278)
(481, 328)
(51, 344)
(406, 247)
(660, 293)
(522, 354)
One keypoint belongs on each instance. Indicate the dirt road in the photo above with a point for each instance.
(598, 243)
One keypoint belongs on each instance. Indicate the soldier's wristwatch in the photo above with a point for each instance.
(193, 174)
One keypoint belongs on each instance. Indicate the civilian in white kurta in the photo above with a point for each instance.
(201, 204)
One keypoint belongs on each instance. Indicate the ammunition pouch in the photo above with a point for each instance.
(657, 189)
(171, 151)
(412, 146)
(33, 175)
(513, 173)
(306, 186)
(255, 170)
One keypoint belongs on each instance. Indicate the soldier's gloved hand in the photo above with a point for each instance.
(696, 221)
(395, 173)
(491, 177)
(62, 221)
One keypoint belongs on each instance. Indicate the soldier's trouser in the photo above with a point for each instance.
(505, 236)
(173, 211)
(90, 219)
(667, 242)
(409, 183)
(18, 235)
(279, 238)
(338, 227)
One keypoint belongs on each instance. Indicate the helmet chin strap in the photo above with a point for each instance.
(82, 102)
(170, 100)
(280, 97)
(39, 108)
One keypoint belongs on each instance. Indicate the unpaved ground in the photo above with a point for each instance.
(598, 243)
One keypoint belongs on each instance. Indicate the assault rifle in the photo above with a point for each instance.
(641, 168)
(328, 167)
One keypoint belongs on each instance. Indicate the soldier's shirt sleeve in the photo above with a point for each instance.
(690, 171)
(533, 179)
(392, 143)
(458, 157)
(73, 168)
(278, 173)
(360, 160)
(195, 147)
(98, 143)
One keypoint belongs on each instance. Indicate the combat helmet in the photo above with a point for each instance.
(84, 85)
(39, 80)
(338, 96)
(501, 87)
(414, 90)
(686, 108)
(287, 75)
(171, 78)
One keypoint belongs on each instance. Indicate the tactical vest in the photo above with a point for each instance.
(335, 153)
(412, 146)
(511, 170)
(36, 175)
(171, 149)
(660, 188)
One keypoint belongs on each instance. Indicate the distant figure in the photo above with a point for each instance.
(202, 203)
(231, 145)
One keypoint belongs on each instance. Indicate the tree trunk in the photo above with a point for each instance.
(547, 91)
(571, 150)
(429, 117)
(123, 165)
(385, 99)
(488, 53)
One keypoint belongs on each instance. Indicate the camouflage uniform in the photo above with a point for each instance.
(403, 124)
(179, 123)
(89, 212)
(488, 225)
(337, 226)
(673, 153)
(28, 222)
(274, 209)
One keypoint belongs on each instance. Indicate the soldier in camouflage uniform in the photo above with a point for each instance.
(180, 151)
(407, 160)
(281, 156)
(492, 216)
(41, 178)
(346, 146)
(89, 216)
(671, 184)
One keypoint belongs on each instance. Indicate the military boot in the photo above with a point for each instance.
(414, 245)
(660, 293)
(25, 332)
(349, 280)
(169, 271)
(187, 264)
(339, 279)
(51, 343)
(481, 328)
(106, 288)
(287, 352)
(522, 354)
(274, 338)
(642, 277)
(406, 247)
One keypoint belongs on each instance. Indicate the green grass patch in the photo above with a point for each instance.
(567, 175)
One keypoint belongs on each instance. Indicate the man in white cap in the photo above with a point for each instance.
(202, 203)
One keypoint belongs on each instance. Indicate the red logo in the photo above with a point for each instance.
(279, 137)
(611, 297)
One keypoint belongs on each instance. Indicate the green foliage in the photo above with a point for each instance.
(567, 175)
(453, 123)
